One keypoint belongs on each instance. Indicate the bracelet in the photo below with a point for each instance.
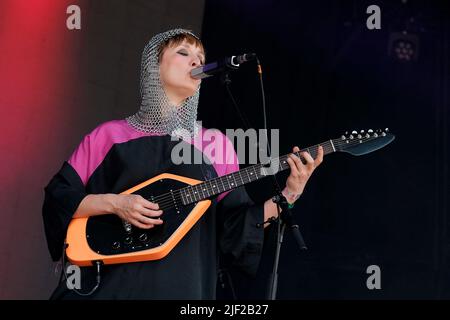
(292, 195)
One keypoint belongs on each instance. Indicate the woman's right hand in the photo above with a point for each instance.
(137, 210)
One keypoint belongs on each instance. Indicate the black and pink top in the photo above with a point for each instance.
(115, 157)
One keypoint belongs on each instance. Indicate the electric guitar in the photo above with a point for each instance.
(109, 239)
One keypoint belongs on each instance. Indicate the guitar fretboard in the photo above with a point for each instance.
(249, 174)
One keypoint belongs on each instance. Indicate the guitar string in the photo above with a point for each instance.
(247, 170)
(165, 199)
(168, 198)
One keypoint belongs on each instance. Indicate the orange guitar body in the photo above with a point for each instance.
(83, 250)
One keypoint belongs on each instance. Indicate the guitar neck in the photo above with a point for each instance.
(249, 174)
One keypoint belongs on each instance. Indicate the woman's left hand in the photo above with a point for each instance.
(300, 173)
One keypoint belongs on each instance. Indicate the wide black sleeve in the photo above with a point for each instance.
(240, 237)
(63, 195)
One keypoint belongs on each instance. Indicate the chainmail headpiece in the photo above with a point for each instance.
(156, 114)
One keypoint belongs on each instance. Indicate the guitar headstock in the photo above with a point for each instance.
(363, 142)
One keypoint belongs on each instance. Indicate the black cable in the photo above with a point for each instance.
(98, 264)
(226, 80)
(263, 97)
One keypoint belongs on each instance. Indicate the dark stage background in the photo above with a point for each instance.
(324, 73)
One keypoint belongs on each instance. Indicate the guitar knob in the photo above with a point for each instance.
(362, 131)
(116, 245)
(128, 227)
(143, 237)
(128, 240)
(354, 132)
(370, 131)
(386, 130)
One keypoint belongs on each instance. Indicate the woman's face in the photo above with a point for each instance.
(175, 71)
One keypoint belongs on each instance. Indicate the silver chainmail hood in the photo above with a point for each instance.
(156, 114)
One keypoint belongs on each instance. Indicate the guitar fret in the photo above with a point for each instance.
(214, 186)
(208, 188)
(211, 189)
(183, 200)
(228, 182)
(195, 193)
(223, 185)
(332, 145)
(228, 179)
(248, 176)
(202, 189)
(188, 194)
(255, 172)
(240, 175)
(191, 193)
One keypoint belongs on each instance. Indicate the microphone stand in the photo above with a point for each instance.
(284, 220)
(284, 212)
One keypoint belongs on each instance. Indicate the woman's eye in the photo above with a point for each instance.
(183, 53)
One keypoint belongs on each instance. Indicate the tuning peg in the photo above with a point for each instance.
(354, 132)
(367, 135)
(359, 136)
(343, 137)
(383, 134)
(375, 135)
(386, 130)
(362, 131)
(370, 131)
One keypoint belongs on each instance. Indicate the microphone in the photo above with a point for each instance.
(230, 63)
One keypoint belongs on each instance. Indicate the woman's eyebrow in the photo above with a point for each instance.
(200, 54)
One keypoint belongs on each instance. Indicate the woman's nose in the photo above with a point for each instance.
(195, 62)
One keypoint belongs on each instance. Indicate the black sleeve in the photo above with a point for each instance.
(241, 239)
(63, 195)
